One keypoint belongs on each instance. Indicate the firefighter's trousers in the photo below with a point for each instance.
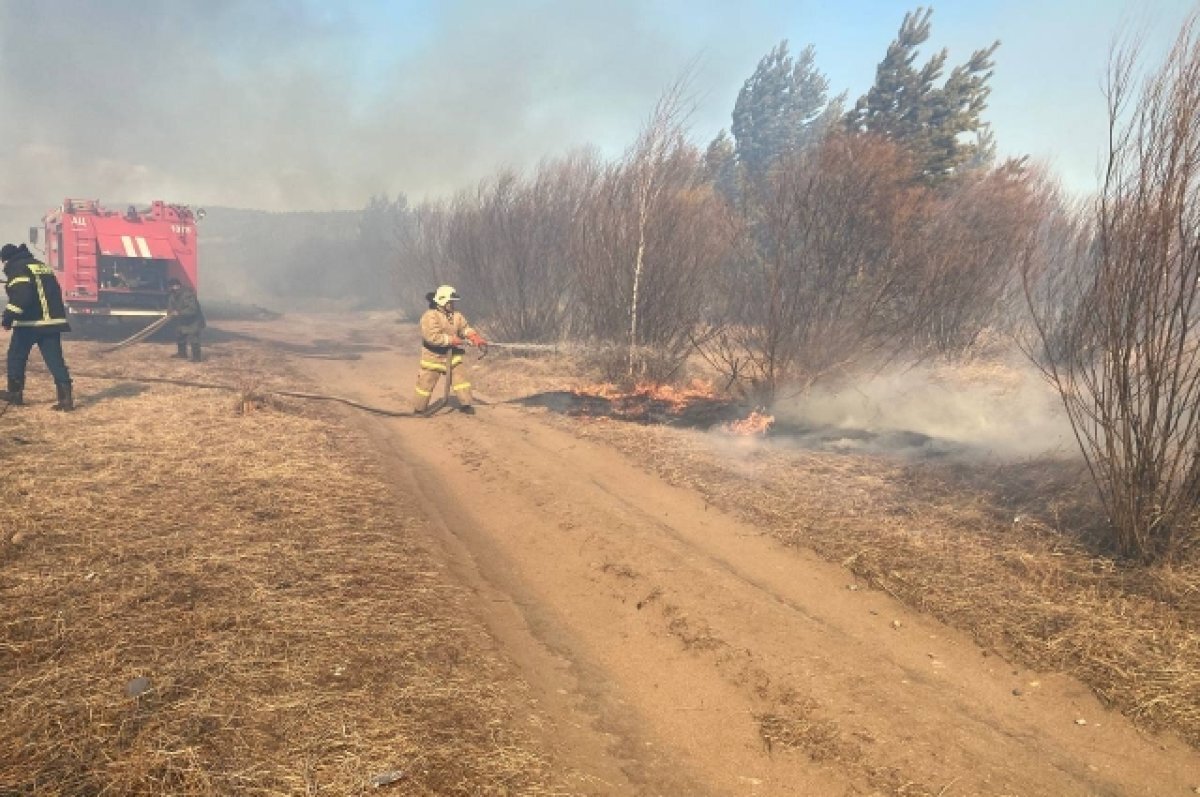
(192, 336)
(49, 343)
(187, 330)
(431, 373)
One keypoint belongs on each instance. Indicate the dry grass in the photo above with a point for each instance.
(250, 563)
(998, 549)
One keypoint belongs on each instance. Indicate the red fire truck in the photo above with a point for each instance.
(116, 265)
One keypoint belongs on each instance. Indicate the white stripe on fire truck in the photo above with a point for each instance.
(127, 242)
(145, 250)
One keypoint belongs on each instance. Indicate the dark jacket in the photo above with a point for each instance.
(34, 298)
(186, 309)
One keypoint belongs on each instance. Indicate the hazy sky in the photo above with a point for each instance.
(318, 105)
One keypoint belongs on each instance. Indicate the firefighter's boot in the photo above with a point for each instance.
(66, 401)
(196, 353)
(181, 352)
(15, 393)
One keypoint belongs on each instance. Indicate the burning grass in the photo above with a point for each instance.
(204, 595)
(677, 398)
(756, 423)
(695, 404)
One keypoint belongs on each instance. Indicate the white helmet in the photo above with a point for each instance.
(444, 294)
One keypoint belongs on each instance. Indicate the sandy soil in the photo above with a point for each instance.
(679, 651)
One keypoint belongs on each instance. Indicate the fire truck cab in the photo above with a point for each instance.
(117, 265)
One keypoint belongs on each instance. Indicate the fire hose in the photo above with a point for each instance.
(522, 346)
(218, 386)
(286, 393)
(292, 393)
(158, 324)
(139, 336)
(444, 401)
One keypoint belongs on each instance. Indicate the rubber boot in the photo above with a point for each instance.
(196, 353)
(66, 401)
(466, 409)
(182, 350)
(15, 393)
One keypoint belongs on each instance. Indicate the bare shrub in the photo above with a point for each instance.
(966, 257)
(382, 227)
(423, 259)
(1123, 334)
(513, 242)
(821, 273)
(1055, 270)
(618, 254)
(652, 238)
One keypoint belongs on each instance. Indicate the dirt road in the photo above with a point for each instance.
(678, 651)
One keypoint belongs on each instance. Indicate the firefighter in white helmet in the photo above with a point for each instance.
(444, 333)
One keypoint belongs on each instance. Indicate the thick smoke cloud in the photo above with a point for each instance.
(1000, 408)
(285, 105)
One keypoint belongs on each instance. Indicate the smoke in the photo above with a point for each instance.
(285, 105)
(1001, 409)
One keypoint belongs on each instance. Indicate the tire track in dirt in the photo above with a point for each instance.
(905, 711)
(674, 646)
(672, 724)
(661, 741)
(602, 760)
(781, 665)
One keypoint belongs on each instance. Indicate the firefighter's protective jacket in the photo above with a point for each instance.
(34, 298)
(185, 306)
(438, 327)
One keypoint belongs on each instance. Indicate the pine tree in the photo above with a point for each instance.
(931, 121)
(781, 109)
(720, 164)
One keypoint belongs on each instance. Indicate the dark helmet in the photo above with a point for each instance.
(9, 251)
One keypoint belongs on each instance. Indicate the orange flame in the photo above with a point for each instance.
(754, 423)
(677, 398)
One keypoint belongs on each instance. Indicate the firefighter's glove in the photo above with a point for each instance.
(456, 341)
(7, 320)
(477, 340)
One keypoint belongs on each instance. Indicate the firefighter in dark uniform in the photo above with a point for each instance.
(184, 307)
(36, 317)
(444, 332)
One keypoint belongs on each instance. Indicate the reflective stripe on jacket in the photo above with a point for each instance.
(437, 329)
(34, 298)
